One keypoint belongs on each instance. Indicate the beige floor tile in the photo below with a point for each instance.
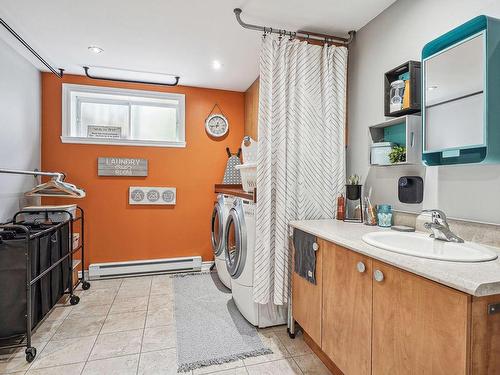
(160, 301)
(84, 309)
(59, 313)
(271, 341)
(161, 285)
(72, 369)
(126, 365)
(139, 291)
(63, 352)
(104, 284)
(79, 327)
(129, 304)
(46, 330)
(15, 365)
(281, 367)
(117, 344)
(124, 322)
(310, 364)
(163, 362)
(159, 338)
(13, 361)
(137, 281)
(98, 297)
(295, 346)
(218, 368)
(159, 317)
(234, 371)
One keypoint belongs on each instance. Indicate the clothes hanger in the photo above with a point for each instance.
(56, 187)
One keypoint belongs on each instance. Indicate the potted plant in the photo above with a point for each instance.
(353, 188)
(397, 154)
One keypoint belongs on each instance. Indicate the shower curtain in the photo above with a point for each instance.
(301, 158)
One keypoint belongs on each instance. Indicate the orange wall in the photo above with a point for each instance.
(116, 231)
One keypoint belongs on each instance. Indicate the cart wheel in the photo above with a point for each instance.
(85, 285)
(74, 300)
(30, 354)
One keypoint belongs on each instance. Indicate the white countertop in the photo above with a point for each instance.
(478, 279)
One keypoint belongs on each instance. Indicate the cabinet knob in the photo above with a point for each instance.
(378, 276)
(315, 246)
(361, 267)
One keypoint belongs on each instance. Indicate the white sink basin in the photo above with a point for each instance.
(421, 245)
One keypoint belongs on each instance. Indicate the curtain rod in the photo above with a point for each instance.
(34, 173)
(295, 34)
(59, 73)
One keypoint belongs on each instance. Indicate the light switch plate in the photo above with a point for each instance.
(152, 195)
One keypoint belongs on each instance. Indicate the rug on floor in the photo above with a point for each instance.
(210, 329)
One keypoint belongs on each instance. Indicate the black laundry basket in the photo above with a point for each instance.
(27, 296)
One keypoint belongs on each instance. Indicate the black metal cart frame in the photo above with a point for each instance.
(26, 338)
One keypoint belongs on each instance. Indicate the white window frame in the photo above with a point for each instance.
(69, 110)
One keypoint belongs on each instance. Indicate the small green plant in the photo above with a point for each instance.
(353, 180)
(397, 154)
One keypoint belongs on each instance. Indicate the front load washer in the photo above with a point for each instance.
(219, 219)
(240, 255)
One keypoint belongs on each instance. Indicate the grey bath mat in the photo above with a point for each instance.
(210, 329)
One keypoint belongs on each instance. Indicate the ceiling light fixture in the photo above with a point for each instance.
(216, 64)
(95, 49)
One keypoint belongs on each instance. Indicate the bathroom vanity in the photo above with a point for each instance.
(379, 312)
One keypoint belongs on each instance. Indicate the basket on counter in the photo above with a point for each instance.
(248, 173)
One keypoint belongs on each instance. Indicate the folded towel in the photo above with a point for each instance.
(305, 255)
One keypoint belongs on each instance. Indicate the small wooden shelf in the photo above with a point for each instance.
(412, 69)
(235, 190)
(403, 131)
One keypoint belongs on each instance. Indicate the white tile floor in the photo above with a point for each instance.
(126, 326)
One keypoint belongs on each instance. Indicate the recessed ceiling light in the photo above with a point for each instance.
(433, 87)
(216, 64)
(95, 49)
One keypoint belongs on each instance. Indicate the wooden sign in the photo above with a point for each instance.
(122, 167)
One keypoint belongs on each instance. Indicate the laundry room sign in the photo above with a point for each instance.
(122, 167)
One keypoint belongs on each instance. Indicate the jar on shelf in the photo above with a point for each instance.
(384, 215)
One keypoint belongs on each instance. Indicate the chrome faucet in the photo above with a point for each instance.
(440, 228)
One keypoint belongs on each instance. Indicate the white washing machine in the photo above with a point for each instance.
(240, 255)
(219, 219)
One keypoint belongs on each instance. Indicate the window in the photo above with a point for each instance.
(103, 115)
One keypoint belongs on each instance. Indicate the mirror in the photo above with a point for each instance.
(454, 96)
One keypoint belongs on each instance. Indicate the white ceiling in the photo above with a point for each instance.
(181, 37)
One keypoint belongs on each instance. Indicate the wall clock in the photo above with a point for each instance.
(216, 125)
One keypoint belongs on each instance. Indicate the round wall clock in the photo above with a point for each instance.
(216, 125)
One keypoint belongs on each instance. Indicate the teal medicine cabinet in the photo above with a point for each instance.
(461, 95)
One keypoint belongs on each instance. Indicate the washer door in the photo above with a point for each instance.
(235, 246)
(217, 235)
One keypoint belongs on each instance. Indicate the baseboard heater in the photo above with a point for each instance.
(144, 267)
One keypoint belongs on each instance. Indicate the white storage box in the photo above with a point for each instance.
(380, 153)
(54, 216)
(248, 176)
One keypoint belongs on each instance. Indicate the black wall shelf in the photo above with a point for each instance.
(413, 68)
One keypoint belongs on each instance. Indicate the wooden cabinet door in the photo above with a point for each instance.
(252, 110)
(347, 309)
(306, 299)
(419, 327)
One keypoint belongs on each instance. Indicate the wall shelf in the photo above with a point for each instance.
(411, 71)
(403, 131)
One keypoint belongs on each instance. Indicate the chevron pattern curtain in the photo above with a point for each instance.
(301, 159)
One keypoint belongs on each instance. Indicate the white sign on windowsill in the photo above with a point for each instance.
(109, 132)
